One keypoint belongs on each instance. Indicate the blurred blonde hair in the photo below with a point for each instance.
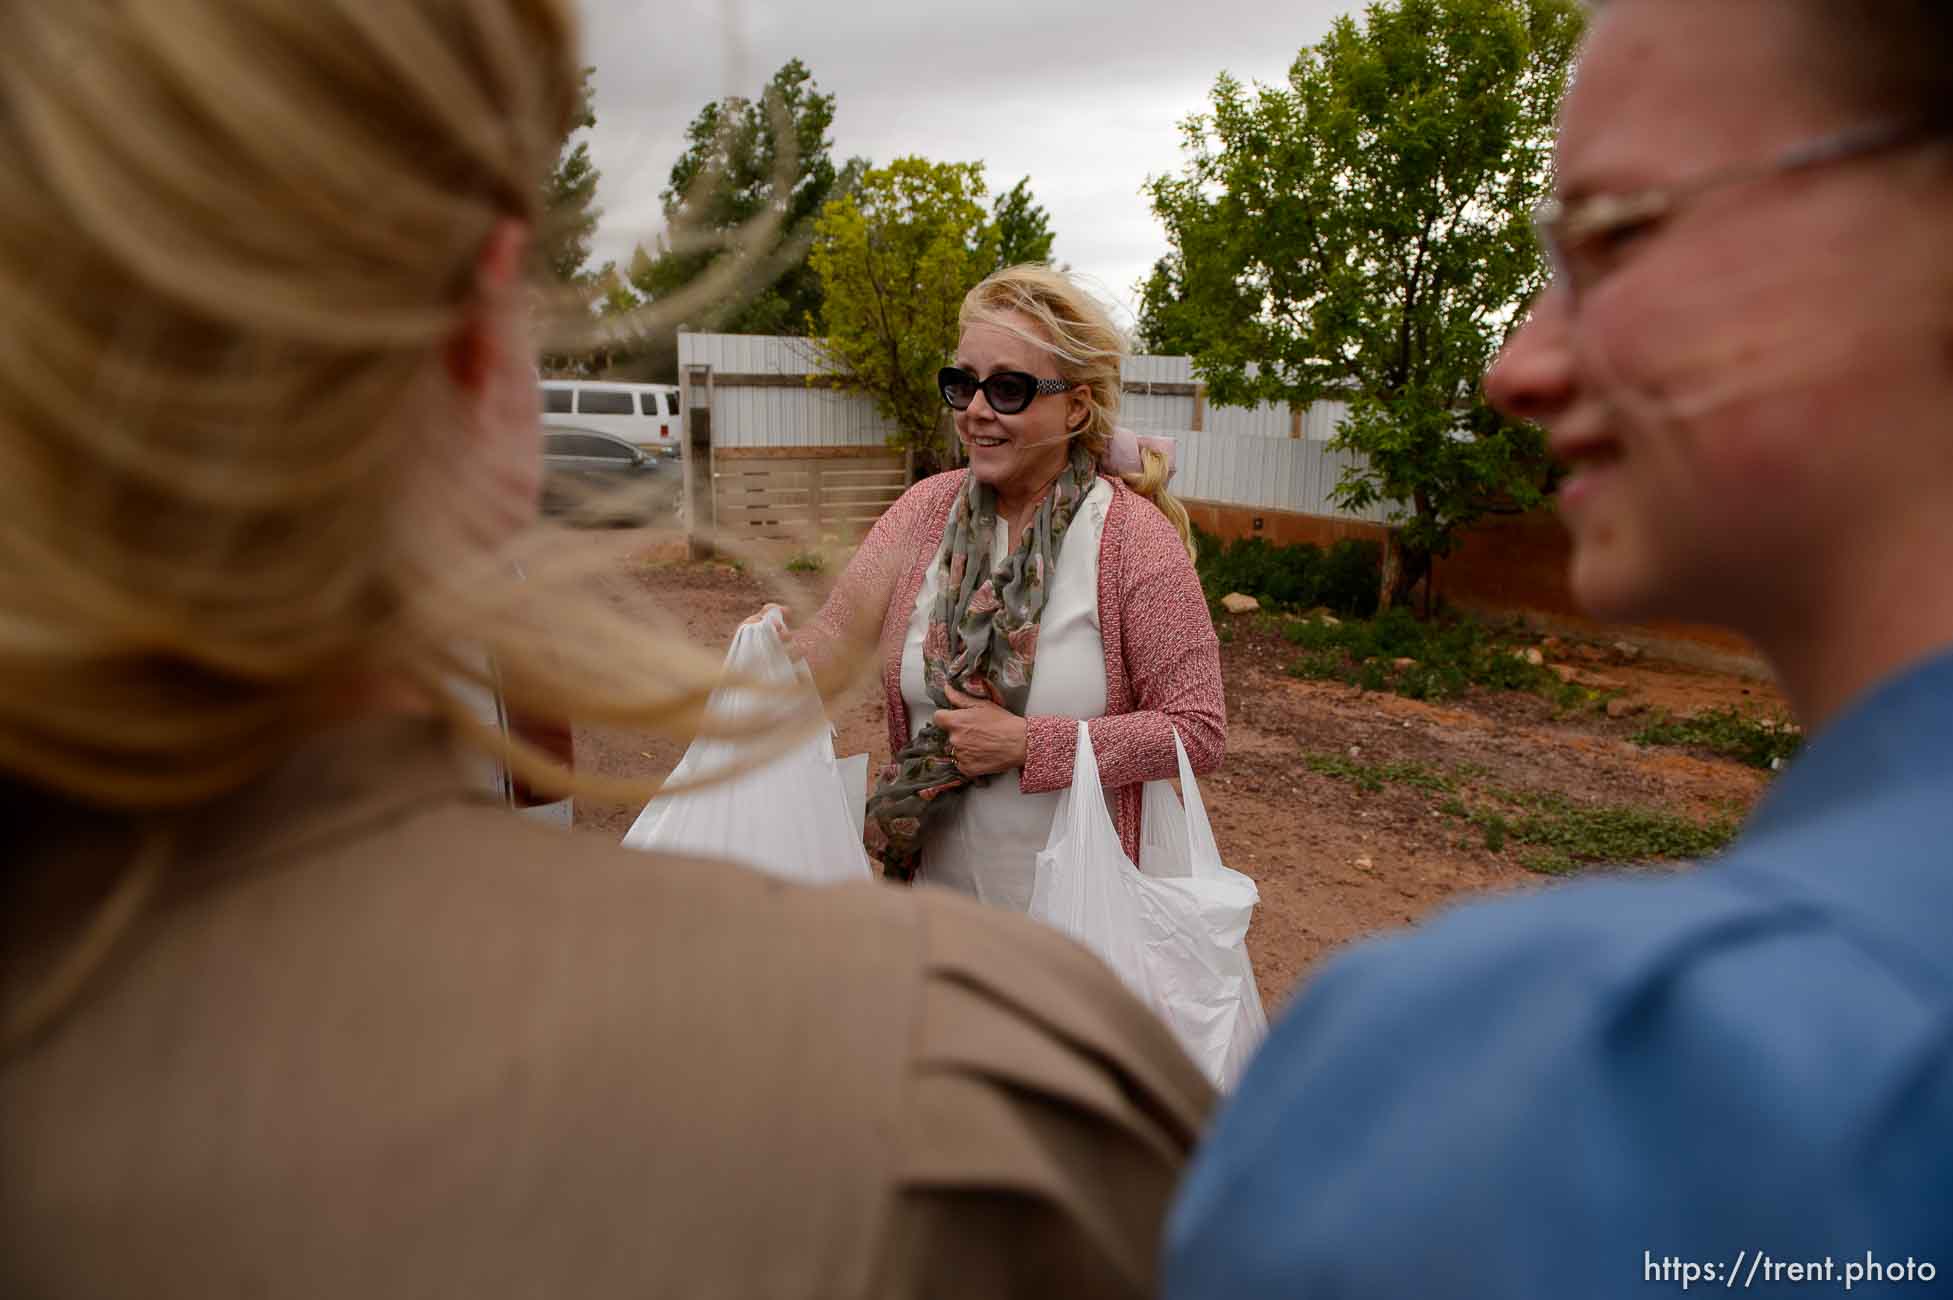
(1088, 348)
(235, 487)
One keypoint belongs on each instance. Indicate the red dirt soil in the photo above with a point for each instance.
(1333, 862)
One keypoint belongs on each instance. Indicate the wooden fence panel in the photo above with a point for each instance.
(804, 499)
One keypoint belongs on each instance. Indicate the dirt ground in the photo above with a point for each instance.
(1334, 862)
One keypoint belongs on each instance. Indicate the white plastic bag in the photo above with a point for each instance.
(853, 771)
(1176, 933)
(792, 817)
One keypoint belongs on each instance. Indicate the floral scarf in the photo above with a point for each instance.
(982, 638)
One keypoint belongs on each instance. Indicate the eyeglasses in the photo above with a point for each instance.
(1007, 391)
(1580, 236)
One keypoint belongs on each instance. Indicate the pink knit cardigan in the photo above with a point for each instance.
(1162, 659)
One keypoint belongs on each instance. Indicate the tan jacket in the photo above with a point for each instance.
(380, 1040)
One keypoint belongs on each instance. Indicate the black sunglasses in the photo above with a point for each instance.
(1007, 391)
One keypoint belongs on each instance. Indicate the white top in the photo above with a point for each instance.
(987, 846)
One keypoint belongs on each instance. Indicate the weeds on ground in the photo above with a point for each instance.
(1562, 836)
(1371, 777)
(1423, 661)
(806, 562)
(1567, 836)
(1767, 743)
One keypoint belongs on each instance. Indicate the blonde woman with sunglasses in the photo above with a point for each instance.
(1047, 586)
(288, 1009)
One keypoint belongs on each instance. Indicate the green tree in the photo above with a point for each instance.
(1363, 233)
(615, 296)
(745, 159)
(569, 219)
(1023, 227)
(1161, 328)
(569, 196)
(610, 297)
(640, 353)
(896, 256)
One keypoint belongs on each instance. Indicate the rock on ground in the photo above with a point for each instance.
(1236, 603)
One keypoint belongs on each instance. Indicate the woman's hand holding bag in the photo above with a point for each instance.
(793, 815)
(984, 738)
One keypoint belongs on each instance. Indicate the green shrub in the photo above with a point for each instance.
(1345, 579)
(1432, 682)
(1314, 634)
(806, 562)
(1372, 676)
(1505, 669)
(1393, 634)
(1351, 578)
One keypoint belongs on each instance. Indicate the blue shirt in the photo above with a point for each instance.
(1594, 1090)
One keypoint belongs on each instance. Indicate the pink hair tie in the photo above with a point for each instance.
(1122, 451)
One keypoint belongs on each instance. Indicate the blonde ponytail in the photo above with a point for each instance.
(1151, 484)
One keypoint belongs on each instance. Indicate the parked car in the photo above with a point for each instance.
(646, 415)
(599, 478)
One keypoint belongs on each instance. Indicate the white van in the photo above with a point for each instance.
(645, 414)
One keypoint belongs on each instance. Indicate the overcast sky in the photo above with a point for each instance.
(1084, 96)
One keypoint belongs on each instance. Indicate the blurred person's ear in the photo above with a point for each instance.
(477, 351)
(490, 360)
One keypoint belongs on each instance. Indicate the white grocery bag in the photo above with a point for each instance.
(1176, 931)
(792, 817)
(853, 771)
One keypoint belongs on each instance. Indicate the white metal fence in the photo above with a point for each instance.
(1241, 469)
(760, 397)
(1259, 456)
